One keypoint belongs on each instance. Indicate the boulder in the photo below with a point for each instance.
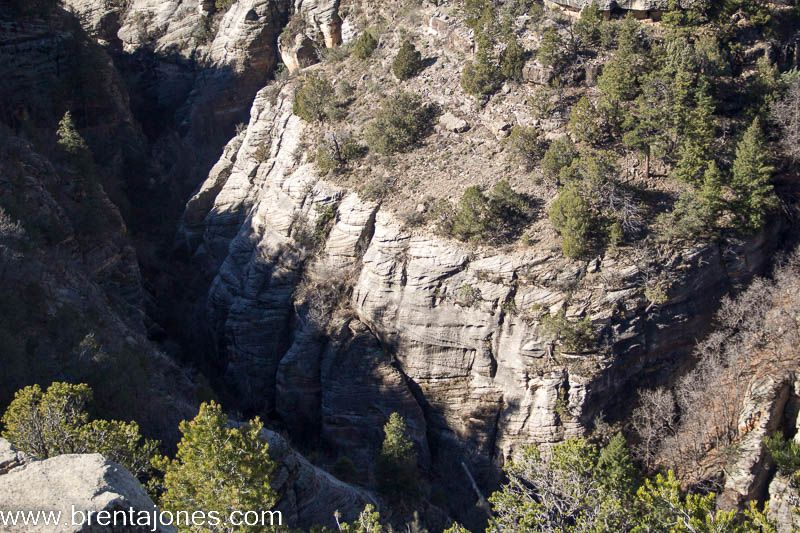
(73, 485)
(450, 122)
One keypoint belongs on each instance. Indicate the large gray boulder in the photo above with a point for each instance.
(72, 485)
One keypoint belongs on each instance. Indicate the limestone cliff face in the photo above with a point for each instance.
(450, 336)
(193, 71)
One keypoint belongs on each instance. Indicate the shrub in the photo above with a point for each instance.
(408, 61)
(559, 155)
(784, 452)
(499, 216)
(56, 421)
(313, 100)
(223, 5)
(572, 336)
(572, 217)
(527, 145)
(364, 45)
(583, 122)
(334, 153)
(399, 123)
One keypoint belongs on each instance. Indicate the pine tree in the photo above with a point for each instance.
(751, 180)
(695, 150)
(397, 460)
(217, 467)
(619, 80)
(615, 467)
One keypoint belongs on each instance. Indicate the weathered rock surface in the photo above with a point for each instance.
(85, 483)
(462, 327)
(308, 495)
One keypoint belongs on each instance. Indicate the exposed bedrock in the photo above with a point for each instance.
(472, 370)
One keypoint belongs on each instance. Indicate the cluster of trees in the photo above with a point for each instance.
(657, 98)
(498, 216)
(484, 75)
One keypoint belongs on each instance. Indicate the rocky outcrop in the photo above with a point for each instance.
(72, 486)
(322, 17)
(309, 496)
(784, 499)
(638, 7)
(458, 330)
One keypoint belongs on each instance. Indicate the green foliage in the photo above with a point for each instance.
(364, 45)
(314, 99)
(223, 5)
(573, 337)
(397, 460)
(559, 155)
(478, 15)
(217, 467)
(695, 150)
(334, 154)
(619, 80)
(498, 216)
(572, 217)
(581, 487)
(399, 124)
(589, 27)
(583, 122)
(784, 452)
(368, 521)
(512, 59)
(481, 77)
(552, 50)
(408, 61)
(527, 145)
(54, 422)
(751, 180)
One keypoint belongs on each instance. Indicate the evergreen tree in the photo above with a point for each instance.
(619, 80)
(408, 61)
(589, 27)
(695, 150)
(397, 460)
(751, 180)
(512, 59)
(364, 45)
(583, 122)
(572, 217)
(481, 77)
(217, 467)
